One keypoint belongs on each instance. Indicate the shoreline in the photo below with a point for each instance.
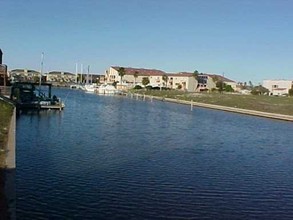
(223, 108)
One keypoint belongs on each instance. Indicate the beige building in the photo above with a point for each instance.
(24, 75)
(278, 87)
(207, 81)
(134, 76)
(185, 81)
(57, 76)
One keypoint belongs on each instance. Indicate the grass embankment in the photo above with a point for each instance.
(271, 104)
(6, 111)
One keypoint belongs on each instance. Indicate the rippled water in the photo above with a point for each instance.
(120, 158)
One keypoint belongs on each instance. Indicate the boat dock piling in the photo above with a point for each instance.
(191, 105)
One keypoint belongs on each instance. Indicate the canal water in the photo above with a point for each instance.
(107, 157)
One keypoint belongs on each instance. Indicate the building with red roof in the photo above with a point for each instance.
(157, 78)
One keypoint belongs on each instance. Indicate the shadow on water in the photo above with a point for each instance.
(7, 194)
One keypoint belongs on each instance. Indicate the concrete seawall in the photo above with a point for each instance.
(9, 188)
(222, 108)
(235, 110)
(10, 155)
(10, 168)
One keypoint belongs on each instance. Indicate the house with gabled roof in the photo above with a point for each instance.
(182, 80)
(24, 75)
(278, 87)
(60, 76)
(208, 81)
(134, 76)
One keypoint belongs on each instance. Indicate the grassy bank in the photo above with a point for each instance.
(6, 111)
(271, 104)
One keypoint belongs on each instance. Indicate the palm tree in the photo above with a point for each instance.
(121, 73)
(135, 76)
(145, 81)
(165, 79)
(195, 74)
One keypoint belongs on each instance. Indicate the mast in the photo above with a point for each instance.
(41, 72)
(76, 70)
(81, 72)
(87, 76)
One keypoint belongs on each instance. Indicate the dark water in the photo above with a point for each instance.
(117, 158)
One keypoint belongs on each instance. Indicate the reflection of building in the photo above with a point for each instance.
(3, 72)
(278, 87)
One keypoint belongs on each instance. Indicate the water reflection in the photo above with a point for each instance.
(113, 157)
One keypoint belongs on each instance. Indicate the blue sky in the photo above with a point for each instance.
(247, 40)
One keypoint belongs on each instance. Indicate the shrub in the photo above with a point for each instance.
(148, 87)
(228, 88)
(137, 87)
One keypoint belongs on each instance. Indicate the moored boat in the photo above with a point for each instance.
(28, 95)
(107, 90)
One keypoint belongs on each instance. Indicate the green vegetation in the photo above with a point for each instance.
(259, 90)
(121, 73)
(135, 75)
(6, 111)
(137, 87)
(145, 81)
(290, 92)
(165, 79)
(279, 105)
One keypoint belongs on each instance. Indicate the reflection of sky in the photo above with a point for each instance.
(122, 126)
(129, 145)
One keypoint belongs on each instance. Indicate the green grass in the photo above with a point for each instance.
(6, 111)
(272, 104)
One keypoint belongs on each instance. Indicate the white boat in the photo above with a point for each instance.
(77, 86)
(107, 89)
(90, 88)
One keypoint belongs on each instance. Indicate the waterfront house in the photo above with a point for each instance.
(157, 78)
(1, 54)
(24, 75)
(134, 76)
(205, 82)
(3, 75)
(183, 80)
(60, 76)
(208, 82)
(278, 87)
(3, 71)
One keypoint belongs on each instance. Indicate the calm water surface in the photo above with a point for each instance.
(120, 158)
